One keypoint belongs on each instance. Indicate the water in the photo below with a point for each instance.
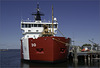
(11, 59)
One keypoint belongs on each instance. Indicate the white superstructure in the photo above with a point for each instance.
(34, 28)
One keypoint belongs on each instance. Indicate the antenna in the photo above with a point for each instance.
(52, 21)
(38, 14)
(38, 6)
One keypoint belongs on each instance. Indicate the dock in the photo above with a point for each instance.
(88, 56)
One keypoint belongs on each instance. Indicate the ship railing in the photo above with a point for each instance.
(44, 21)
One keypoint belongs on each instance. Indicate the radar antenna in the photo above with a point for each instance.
(38, 14)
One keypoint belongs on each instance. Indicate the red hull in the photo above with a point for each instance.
(48, 49)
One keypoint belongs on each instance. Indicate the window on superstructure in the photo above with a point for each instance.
(32, 25)
(26, 25)
(35, 25)
(55, 26)
(29, 25)
(50, 25)
(47, 25)
(39, 25)
(22, 25)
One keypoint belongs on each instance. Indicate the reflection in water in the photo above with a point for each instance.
(27, 64)
(67, 64)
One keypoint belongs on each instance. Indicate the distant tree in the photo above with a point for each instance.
(86, 45)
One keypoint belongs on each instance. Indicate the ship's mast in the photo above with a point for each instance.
(52, 22)
(38, 14)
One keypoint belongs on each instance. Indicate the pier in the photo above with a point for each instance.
(88, 56)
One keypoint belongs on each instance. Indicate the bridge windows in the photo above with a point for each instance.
(30, 25)
(49, 25)
(37, 25)
(55, 26)
(26, 25)
(23, 26)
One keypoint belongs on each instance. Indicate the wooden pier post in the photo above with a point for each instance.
(98, 57)
(89, 60)
(85, 58)
(75, 54)
(75, 59)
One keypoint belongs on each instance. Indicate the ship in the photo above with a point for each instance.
(39, 41)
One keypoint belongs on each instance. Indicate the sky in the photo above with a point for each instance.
(77, 19)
